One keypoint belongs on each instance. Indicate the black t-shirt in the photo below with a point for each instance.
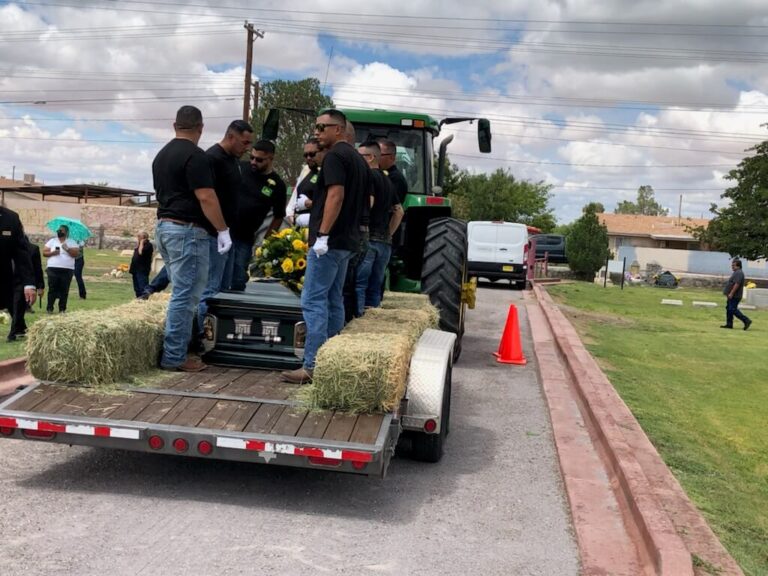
(308, 187)
(737, 277)
(259, 193)
(384, 200)
(342, 166)
(142, 262)
(227, 180)
(398, 181)
(179, 169)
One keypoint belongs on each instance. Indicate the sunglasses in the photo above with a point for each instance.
(310, 154)
(257, 159)
(320, 127)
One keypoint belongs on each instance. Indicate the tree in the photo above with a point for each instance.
(646, 204)
(586, 245)
(597, 206)
(501, 197)
(741, 227)
(295, 127)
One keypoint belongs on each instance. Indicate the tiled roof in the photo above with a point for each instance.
(662, 226)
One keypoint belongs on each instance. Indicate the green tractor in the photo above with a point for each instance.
(430, 254)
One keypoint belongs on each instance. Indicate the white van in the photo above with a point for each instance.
(498, 250)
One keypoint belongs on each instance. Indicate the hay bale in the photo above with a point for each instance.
(97, 347)
(410, 323)
(360, 375)
(405, 301)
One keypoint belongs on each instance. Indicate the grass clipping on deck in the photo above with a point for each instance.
(97, 347)
(365, 368)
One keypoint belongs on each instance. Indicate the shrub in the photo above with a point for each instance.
(586, 245)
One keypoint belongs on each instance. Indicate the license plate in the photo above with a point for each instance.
(507, 268)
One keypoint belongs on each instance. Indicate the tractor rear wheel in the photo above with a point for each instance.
(445, 272)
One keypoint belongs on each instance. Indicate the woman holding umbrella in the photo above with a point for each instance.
(61, 253)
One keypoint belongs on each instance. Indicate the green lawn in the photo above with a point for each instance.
(102, 293)
(699, 392)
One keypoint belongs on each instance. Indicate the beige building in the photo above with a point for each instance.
(651, 231)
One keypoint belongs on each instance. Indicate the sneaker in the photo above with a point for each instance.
(298, 376)
(747, 324)
(726, 326)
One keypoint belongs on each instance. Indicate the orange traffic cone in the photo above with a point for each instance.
(510, 348)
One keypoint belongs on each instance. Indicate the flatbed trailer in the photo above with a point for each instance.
(247, 415)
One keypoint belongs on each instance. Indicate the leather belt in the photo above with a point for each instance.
(182, 222)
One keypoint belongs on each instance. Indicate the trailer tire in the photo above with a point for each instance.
(429, 447)
(445, 272)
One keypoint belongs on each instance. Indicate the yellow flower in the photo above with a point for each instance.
(271, 182)
(298, 244)
(300, 286)
(301, 264)
(258, 252)
(305, 233)
(287, 265)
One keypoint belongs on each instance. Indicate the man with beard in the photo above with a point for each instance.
(262, 190)
(307, 188)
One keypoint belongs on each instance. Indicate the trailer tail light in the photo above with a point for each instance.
(204, 447)
(39, 434)
(6, 430)
(435, 200)
(359, 465)
(156, 443)
(320, 461)
(180, 445)
(430, 426)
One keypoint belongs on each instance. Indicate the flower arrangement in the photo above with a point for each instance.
(283, 255)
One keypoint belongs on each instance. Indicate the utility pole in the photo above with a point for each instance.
(256, 88)
(248, 65)
(680, 211)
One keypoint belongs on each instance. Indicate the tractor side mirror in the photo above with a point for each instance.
(484, 135)
(271, 125)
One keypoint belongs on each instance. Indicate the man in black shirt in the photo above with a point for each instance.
(227, 180)
(306, 190)
(141, 263)
(262, 190)
(734, 290)
(188, 213)
(334, 233)
(20, 306)
(388, 157)
(15, 264)
(385, 217)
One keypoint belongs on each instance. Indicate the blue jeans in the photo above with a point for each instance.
(732, 309)
(242, 253)
(160, 281)
(321, 299)
(216, 267)
(185, 250)
(370, 275)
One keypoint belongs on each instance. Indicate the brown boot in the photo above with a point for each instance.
(298, 376)
(191, 364)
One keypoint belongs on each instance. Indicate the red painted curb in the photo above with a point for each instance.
(657, 539)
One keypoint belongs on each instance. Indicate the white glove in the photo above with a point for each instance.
(301, 202)
(321, 246)
(302, 220)
(224, 241)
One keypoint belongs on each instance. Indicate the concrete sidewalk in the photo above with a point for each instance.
(630, 514)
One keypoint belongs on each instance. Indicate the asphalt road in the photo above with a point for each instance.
(493, 505)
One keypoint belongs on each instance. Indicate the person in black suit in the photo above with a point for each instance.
(14, 260)
(18, 324)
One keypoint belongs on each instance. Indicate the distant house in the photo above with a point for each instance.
(651, 231)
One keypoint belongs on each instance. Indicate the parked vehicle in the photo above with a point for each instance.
(498, 250)
(551, 245)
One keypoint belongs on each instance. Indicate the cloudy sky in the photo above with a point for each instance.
(595, 97)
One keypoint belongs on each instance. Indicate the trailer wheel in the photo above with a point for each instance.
(429, 447)
(445, 272)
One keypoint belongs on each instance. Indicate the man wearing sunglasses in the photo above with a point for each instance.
(334, 233)
(306, 190)
(262, 190)
(387, 163)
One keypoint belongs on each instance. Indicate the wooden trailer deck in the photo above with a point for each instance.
(219, 398)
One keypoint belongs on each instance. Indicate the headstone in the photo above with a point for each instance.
(705, 304)
(670, 302)
(747, 307)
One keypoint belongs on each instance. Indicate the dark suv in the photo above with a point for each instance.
(551, 244)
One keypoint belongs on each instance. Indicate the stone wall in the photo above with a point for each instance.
(119, 221)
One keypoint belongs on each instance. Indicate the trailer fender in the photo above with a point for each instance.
(427, 377)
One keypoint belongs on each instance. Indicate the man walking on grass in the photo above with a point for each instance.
(734, 290)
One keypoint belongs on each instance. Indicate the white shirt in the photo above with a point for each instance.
(63, 259)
